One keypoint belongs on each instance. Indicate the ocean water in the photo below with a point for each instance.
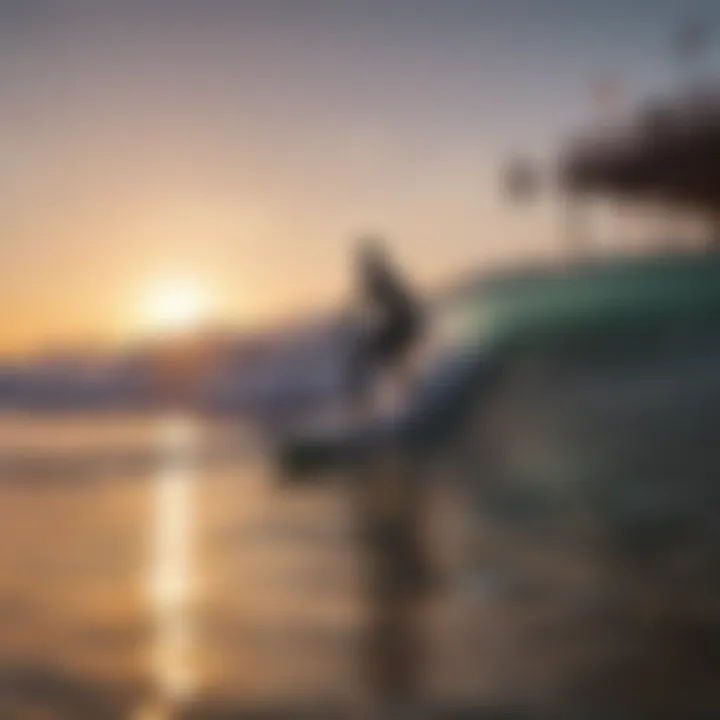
(159, 567)
(152, 566)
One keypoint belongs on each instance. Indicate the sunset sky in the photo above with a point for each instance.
(237, 147)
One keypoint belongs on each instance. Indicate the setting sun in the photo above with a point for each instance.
(174, 305)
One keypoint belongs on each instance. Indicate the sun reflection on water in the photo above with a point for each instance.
(170, 581)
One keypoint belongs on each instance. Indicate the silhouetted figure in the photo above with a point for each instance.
(391, 319)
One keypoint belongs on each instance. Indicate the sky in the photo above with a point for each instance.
(240, 147)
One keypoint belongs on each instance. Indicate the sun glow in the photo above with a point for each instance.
(174, 306)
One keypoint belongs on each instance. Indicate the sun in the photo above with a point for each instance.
(174, 305)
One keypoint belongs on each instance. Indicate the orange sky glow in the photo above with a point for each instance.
(241, 147)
